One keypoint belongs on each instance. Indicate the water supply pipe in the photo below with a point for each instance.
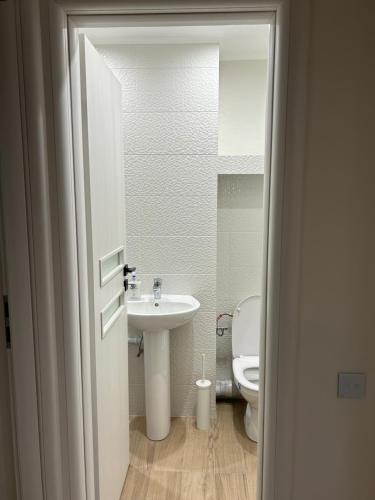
(226, 389)
(219, 329)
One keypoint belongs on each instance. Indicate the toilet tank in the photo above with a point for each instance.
(246, 327)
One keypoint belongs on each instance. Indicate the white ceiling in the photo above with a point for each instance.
(237, 42)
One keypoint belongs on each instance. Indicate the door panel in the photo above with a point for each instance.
(105, 222)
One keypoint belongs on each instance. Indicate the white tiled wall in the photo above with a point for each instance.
(239, 252)
(170, 131)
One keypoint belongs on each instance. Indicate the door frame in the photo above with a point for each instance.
(52, 205)
(17, 263)
(75, 24)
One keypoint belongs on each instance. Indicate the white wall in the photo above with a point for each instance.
(242, 98)
(334, 455)
(170, 129)
(239, 253)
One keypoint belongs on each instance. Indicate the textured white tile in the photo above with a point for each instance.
(196, 336)
(161, 56)
(224, 357)
(224, 220)
(156, 90)
(187, 366)
(224, 369)
(204, 328)
(119, 56)
(170, 175)
(201, 286)
(170, 133)
(127, 78)
(236, 284)
(247, 219)
(128, 81)
(136, 366)
(236, 249)
(173, 255)
(223, 252)
(178, 56)
(188, 343)
(184, 400)
(180, 173)
(246, 248)
(224, 322)
(224, 349)
(240, 202)
(240, 220)
(240, 191)
(253, 164)
(171, 216)
(137, 399)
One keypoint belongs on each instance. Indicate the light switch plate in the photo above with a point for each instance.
(351, 385)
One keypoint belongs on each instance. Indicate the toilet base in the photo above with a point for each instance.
(251, 422)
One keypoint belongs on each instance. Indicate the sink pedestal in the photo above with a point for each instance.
(157, 384)
(156, 319)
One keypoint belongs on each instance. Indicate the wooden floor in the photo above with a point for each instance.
(191, 464)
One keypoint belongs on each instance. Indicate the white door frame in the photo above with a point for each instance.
(59, 308)
(17, 261)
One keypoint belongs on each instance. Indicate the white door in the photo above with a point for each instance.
(105, 222)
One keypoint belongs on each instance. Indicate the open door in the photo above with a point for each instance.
(105, 223)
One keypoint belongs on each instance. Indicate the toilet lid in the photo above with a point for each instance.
(246, 327)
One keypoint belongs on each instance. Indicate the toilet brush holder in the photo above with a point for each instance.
(203, 404)
(203, 399)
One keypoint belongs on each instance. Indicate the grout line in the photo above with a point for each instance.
(214, 155)
(220, 158)
(213, 196)
(168, 154)
(180, 237)
(163, 68)
(137, 112)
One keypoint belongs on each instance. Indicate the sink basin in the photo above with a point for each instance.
(167, 313)
(155, 318)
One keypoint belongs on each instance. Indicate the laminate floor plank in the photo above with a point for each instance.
(231, 486)
(219, 464)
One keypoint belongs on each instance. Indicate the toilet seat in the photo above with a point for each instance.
(245, 350)
(243, 363)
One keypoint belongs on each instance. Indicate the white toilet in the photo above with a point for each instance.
(245, 349)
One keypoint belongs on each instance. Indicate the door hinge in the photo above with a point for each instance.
(6, 321)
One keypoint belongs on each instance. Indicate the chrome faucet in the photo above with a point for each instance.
(157, 288)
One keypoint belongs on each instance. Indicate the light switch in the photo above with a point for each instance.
(351, 385)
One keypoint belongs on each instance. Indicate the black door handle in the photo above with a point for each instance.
(128, 269)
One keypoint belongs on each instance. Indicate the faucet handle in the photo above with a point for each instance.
(157, 282)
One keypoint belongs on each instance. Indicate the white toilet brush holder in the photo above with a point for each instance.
(203, 399)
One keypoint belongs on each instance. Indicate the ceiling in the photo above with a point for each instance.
(237, 42)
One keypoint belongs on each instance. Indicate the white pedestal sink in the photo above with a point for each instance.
(156, 318)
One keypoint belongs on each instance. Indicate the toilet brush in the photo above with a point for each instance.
(203, 399)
